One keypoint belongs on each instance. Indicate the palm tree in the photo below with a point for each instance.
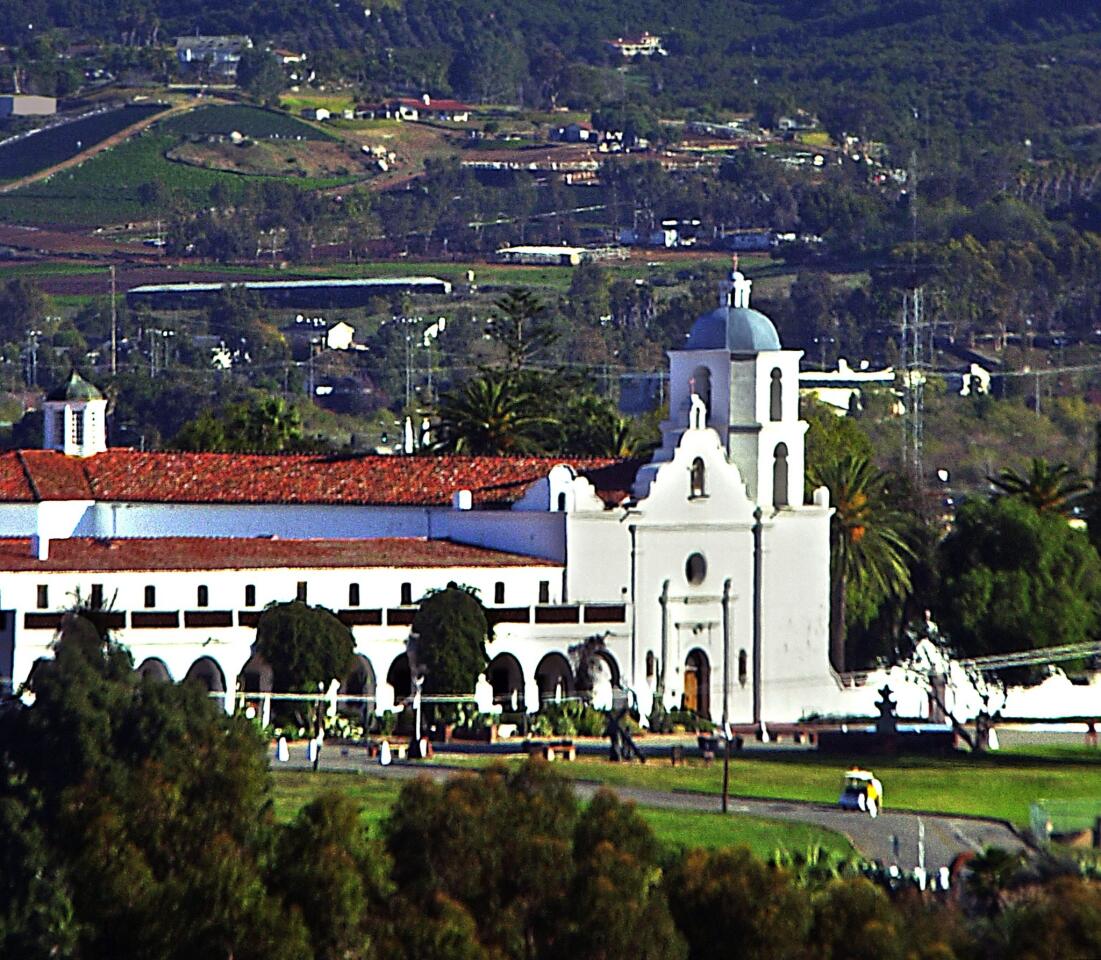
(1048, 487)
(868, 542)
(492, 414)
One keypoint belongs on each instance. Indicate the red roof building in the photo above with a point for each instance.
(122, 475)
(148, 554)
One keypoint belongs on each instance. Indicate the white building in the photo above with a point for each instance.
(703, 562)
(27, 105)
(642, 45)
(217, 56)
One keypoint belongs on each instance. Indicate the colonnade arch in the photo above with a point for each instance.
(155, 669)
(554, 677)
(506, 676)
(360, 682)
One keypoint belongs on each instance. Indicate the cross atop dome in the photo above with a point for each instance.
(734, 290)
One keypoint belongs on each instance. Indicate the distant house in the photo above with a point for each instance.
(340, 336)
(842, 389)
(639, 237)
(22, 105)
(215, 56)
(414, 109)
(799, 121)
(316, 113)
(543, 255)
(575, 133)
(288, 57)
(749, 240)
(643, 45)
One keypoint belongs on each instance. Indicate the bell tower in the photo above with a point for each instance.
(749, 386)
(75, 418)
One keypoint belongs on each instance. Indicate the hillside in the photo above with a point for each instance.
(999, 70)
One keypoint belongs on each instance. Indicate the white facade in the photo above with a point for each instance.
(704, 573)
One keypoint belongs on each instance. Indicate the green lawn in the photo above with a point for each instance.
(999, 785)
(254, 122)
(104, 189)
(294, 789)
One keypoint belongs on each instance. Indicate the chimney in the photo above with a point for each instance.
(40, 546)
(462, 500)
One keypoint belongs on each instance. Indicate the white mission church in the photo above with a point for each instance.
(701, 564)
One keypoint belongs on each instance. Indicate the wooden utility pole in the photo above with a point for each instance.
(114, 326)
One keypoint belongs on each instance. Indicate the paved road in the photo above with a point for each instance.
(892, 838)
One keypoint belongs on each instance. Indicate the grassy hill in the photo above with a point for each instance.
(108, 188)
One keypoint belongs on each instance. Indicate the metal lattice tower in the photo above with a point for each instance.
(915, 369)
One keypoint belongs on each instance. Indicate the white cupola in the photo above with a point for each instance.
(75, 418)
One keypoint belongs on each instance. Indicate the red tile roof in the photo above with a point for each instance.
(129, 475)
(249, 553)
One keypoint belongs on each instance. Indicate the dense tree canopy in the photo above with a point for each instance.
(127, 846)
(305, 646)
(1014, 578)
(449, 637)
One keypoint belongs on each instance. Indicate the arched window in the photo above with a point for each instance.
(695, 569)
(698, 478)
(743, 667)
(562, 502)
(202, 597)
(700, 385)
(776, 396)
(353, 594)
(651, 664)
(780, 476)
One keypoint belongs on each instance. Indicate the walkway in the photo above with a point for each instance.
(892, 838)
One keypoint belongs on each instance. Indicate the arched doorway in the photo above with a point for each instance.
(507, 679)
(155, 669)
(697, 684)
(554, 678)
(256, 676)
(359, 683)
(400, 677)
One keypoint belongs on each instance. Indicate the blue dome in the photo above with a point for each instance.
(737, 329)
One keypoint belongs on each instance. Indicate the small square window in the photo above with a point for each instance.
(407, 594)
(300, 593)
(353, 594)
(499, 592)
(544, 591)
(203, 597)
(250, 595)
(150, 597)
(43, 596)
